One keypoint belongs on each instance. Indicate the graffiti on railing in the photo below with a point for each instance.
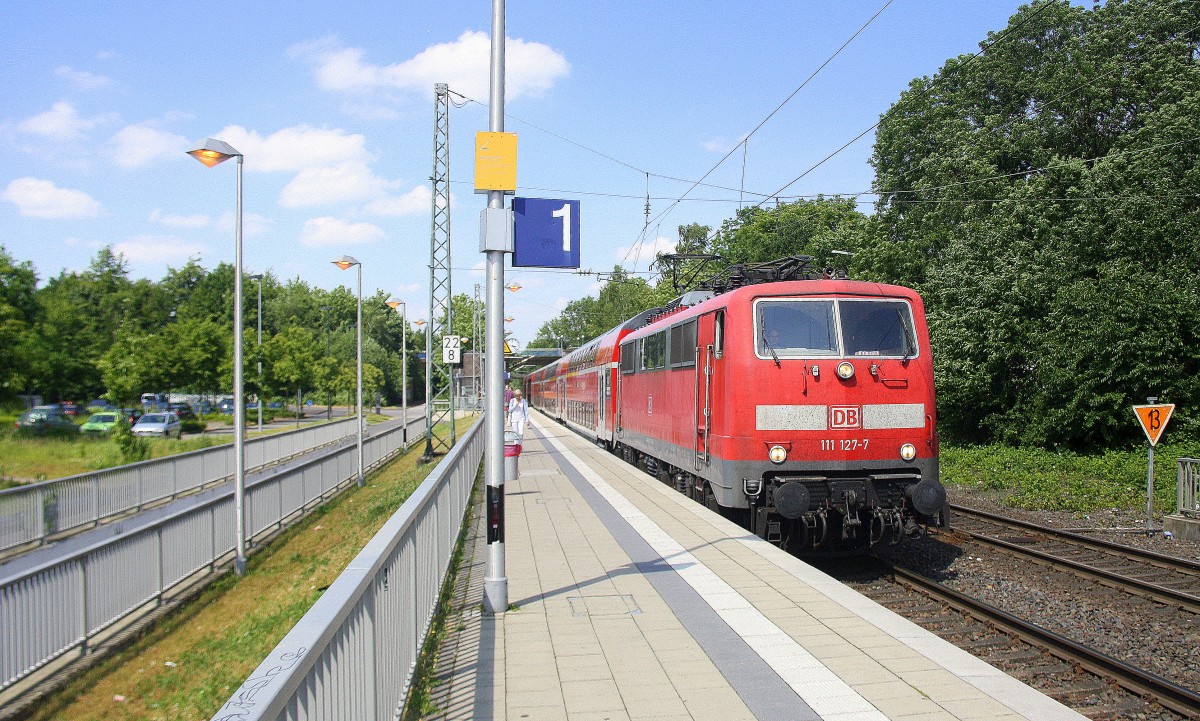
(242, 703)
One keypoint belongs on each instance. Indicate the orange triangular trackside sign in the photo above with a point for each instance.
(1154, 419)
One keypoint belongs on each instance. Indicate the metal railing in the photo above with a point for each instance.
(353, 654)
(66, 605)
(32, 513)
(1188, 496)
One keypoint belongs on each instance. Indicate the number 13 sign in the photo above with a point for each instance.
(545, 233)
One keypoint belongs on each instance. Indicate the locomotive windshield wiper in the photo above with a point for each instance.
(774, 355)
(910, 343)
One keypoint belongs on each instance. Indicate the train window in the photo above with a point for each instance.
(878, 328)
(804, 328)
(629, 356)
(719, 334)
(654, 351)
(683, 345)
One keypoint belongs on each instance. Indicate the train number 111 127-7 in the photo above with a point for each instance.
(844, 444)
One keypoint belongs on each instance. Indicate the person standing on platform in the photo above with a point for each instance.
(518, 414)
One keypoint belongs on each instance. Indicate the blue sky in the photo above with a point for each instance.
(332, 106)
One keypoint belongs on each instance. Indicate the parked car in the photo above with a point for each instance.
(183, 410)
(100, 404)
(203, 407)
(101, 424)
(70, 409)
(165, 424)
(225, 405)
(154, 401)
(44, 419)
(275, 405)
(133, 414)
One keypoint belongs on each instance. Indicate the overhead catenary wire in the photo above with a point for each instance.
(772, 114)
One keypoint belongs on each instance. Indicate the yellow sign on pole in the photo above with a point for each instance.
(495, 162)
(507, 348)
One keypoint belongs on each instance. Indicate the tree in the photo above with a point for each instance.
(290, 361)
(1042, 197)
(18, 316)
(806, 227)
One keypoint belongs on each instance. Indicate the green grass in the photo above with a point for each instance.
(1062, 481)
(216, 641)
(28, 459)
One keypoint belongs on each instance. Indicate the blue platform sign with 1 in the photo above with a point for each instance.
(545, 233)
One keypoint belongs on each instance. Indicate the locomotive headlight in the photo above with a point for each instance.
(908, 451)
(845, 370)
(778, 454)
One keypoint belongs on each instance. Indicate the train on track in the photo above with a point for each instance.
(797, 402)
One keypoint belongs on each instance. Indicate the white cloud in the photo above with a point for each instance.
(296, 148)
(62, 122)
(82, 79)
(171, 220)
(646, 252)
(136, 146)
(326, 232)
(36, 198)
(252, 223)
(157, 249)
(413, 202)
(531, 68)
(348, 182)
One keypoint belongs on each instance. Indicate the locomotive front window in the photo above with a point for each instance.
(845, 327)
(796, 328)
(877, 328)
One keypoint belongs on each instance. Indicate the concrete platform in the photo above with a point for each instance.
(630, 601)
(1182, 527)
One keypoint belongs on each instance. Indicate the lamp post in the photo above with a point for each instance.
(259, 278)
(397, 304)
(214, 152)
(345, 262)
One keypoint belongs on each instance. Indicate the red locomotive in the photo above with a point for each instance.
(799, 403)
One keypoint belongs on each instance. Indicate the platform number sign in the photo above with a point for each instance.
(545, 233)
(451, 349)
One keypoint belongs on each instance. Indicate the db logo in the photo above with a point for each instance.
(845, 417)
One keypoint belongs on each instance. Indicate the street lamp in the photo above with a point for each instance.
(397, 304)
(259, 278)
(514, 287)
(345, 262)
(214, 152)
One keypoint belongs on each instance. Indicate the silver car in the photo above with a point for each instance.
(158, 424)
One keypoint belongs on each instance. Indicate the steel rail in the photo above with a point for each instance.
(1133, 679)
(1190, 601)
(1191, 566)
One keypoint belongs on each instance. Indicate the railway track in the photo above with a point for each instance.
(1103, 668)
(1169, 580)
(1005, 590)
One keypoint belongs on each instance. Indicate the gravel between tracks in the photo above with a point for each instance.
(1163, 641)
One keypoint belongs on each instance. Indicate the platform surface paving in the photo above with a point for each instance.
(630, 601)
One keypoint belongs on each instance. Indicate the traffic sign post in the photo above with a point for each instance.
(1154, 418)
